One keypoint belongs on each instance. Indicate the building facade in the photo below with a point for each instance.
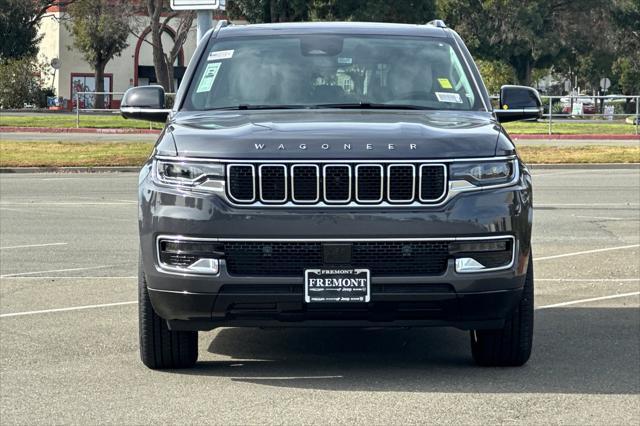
(133, 67)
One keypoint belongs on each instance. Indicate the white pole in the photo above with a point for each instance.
(205, 21)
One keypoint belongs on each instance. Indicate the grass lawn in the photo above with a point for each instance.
(49, 154)
(568, 128)
(116, 122)
(67, 120)
(58, 154)
(579, 154)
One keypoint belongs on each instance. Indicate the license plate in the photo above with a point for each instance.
(336, 285)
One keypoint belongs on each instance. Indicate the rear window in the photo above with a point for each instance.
(319, 70)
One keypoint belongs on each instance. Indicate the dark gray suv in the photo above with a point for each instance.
(334, 175)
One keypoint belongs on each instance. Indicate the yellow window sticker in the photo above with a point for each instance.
(208, 77)
(445, 83)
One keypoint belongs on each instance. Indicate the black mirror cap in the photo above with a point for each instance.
(144, 103)
(519, 103)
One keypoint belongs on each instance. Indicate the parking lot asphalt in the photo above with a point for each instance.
(68, 326)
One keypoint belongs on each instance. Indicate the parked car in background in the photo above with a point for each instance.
(588, 106)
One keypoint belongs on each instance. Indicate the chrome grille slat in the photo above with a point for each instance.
(398, 189)
(337, 184)
(333, 178)
(436, 174)
(273, 183)
(304, 183)
(241, 183)
(366, 185)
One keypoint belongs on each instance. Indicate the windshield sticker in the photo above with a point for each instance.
(219, 55)
(345, 61)
(208, 77)
(453, 98)
(445, 83)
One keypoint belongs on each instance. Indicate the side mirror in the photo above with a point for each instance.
(144, 103)
(518, 103)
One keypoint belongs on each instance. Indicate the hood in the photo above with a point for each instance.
(334, 134)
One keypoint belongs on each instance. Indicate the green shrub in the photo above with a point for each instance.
(21, 84)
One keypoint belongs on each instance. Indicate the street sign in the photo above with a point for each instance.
(198, 4)
(605, 83)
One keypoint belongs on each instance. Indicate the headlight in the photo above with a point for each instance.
(484, 173)
(187, 174)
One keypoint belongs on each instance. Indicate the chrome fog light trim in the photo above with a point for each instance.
(467, 264)
(205, 266)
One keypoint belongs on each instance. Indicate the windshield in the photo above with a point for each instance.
(307, 71)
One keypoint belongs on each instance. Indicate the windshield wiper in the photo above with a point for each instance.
(256, 107)
(369, 105)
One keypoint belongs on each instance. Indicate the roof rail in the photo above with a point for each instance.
(222, 23)
(437, 23)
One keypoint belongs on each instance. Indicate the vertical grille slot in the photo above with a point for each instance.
(305, 183)
(369, 183)
(273, 183)
(337, 183)
(241, 180)
(401, 183)
(433, 182)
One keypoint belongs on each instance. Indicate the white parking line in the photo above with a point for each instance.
(70, 203)
(601, 217)
(55, 270)
(33, 245)
(592, 299)
(589, 280)
(577, 253)
(587, 205)
(76, 277)
(74, 308)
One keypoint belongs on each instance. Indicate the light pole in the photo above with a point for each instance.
(205, 10)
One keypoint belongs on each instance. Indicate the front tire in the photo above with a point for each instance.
(511, 345)
(161, 348)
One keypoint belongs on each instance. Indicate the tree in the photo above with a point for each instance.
(495, 74)
(258, 11)
(409, 11)
(19, 21)
(526, 35)
(403, 11)
(163, 59)
(626, 21)
(20, 83)
(100, 29)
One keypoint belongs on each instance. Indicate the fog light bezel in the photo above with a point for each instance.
(465, 263)
(209, 263)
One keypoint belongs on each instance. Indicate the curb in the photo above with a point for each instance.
(10, 129)
(136, 169)
(517, 136)
(118, 169)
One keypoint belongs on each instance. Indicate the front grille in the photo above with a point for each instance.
(337, 184)
(383, 258)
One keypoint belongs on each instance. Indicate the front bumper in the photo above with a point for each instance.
(469, 300)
